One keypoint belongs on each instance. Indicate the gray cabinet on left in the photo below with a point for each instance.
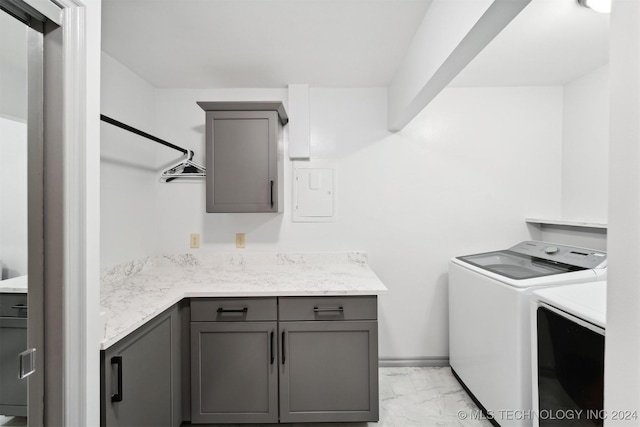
(141, 375)
(13, 341)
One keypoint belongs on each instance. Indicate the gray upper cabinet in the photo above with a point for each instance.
(245, 160)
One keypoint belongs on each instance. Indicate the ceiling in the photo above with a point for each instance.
(551, 42)
(334, 43)
(261, 43)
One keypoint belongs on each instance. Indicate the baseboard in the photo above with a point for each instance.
(390, 362)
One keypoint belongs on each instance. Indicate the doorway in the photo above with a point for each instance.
(21, 214)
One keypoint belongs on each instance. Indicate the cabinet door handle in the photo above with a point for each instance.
(283, 346)
(322, 309)
(272, 194)
(117, 397)
(20, 307)
(271, 347)
(233, 310)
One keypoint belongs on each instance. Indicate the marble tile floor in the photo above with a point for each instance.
(409, 397)
(425, 397)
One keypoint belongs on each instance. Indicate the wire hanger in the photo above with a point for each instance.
(184, 169)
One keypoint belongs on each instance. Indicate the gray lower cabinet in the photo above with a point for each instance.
(293, 359)
(13, 341)
(329, 360)
(328, 372)
(141, 375)
(234, 371)
(252, 360)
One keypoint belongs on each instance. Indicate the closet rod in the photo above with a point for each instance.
(144, 134)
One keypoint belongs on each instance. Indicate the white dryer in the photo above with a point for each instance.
(567, 357)
(489, 319)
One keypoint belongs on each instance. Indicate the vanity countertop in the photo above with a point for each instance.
(16, 285)
(136, 292)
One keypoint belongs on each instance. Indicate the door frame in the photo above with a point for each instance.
(72, 217)
(64, 213)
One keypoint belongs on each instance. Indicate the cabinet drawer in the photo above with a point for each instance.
(233, 309)
(328, 308)
(13, 305)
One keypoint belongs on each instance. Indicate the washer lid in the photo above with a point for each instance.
(518, 266)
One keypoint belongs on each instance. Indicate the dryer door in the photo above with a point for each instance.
(570, 370)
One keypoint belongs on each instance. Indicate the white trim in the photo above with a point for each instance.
(75, 360)
(75, 333)
(402, 362)
(80, 358)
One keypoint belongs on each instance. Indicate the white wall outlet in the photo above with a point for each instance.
(194, 241)
(240, 240)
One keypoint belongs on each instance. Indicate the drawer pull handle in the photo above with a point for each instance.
(20, 307)
(117, 397)
(323, 309)
(271, 347)
(233, 310)
(283, 347)
(271, 195)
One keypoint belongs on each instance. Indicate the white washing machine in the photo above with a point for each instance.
(489, 319)
(567, 355)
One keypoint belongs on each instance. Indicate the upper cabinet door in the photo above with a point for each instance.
(242, 155)
(244, 159)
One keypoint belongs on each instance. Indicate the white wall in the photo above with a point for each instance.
(13, 198)
(585, 166)
(128, 174)
(585, 147)
(459, 179)
(468, 169)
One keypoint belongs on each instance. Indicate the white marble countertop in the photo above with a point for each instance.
(134, 293)
(16, 285)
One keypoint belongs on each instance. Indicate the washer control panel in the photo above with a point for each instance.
(581, 257)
